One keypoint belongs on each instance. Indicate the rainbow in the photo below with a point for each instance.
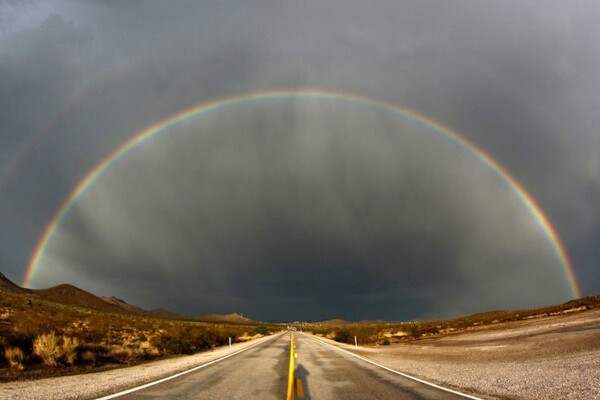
(537, 212)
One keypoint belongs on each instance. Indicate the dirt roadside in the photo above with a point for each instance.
(544, 358)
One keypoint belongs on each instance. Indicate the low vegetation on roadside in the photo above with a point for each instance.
(385, 333)
(40, 335)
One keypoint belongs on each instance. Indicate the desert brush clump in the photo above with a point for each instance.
(15, 358)
(46, 347)
(50, 334)
(123, 353)
(148, 349)
(413, 328)
(261, 330)
(55, 350)
(69, 350)
(343, 336)
(88, 357)
(129, 349)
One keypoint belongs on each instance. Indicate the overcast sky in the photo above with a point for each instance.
(300, 207)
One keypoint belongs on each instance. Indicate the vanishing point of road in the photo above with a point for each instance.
(320, 371)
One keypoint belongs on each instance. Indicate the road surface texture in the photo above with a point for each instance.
(262, 373)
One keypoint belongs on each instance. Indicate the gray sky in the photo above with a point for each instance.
(303, 208)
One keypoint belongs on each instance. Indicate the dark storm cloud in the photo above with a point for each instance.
(233, 221)
(306, 202)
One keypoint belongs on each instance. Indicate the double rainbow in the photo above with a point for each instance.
(223, 103)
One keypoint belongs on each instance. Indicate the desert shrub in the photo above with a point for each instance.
(148, 349)
(17, 340)
(320, 331)
(431, 330)
(68, 350)
(88, 357)
(366, 334)
(169, 344)
(129, 349)
(27, 326)
(97, 330)
(32, 322)
(413, 328)
(54, 350)
(233, 335)
(91, 353)
(15, 357)
(385, 342)
(188, 339)
(261, 330)
(208, 339)
(343, 336)
(46, 346)
(124, 353)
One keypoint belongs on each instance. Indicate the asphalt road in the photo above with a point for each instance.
(262, 373)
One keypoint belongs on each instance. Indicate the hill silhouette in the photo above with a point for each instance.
(229, 318)
(7, 284)
(73, 296)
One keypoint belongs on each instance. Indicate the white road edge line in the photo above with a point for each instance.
(394, 371)
(135, 389)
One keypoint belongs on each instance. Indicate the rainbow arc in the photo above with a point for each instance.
(197, 110)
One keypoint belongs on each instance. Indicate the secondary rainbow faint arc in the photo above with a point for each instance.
(196, 110)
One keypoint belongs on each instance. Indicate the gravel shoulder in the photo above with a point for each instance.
(93, 385)
(546, 358)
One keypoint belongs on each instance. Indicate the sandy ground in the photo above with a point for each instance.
(549, 358)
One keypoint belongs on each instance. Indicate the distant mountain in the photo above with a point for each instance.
(73, 296)
(370, 322)
(124, 305)
(230, 318)
(334, 322)
(160, 313)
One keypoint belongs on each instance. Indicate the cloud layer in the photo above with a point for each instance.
(316, 209)
(276, 207)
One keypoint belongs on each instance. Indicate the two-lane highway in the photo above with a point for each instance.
(261, 372)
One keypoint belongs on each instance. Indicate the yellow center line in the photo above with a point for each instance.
(290, 390)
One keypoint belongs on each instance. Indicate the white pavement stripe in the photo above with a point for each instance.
(135, 389)
(394, 371)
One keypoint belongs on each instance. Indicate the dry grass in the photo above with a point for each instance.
(69, 350)
(47, 348)
(124, 354)
(58, 336)
(55, 350)
(15, 358)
